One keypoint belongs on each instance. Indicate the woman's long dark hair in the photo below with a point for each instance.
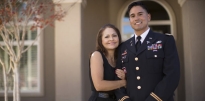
(99, 45)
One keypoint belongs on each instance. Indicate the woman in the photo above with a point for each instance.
(102, 65)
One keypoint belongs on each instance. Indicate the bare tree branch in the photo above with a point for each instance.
(26, 23)
(15, 17)
(4, 49)
(11, 66)
(34, 40)
(6, 41)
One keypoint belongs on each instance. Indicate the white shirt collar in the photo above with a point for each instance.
(143, 35)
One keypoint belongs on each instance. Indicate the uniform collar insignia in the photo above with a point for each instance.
(131, 43)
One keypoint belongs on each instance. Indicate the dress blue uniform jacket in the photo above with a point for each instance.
(153, 72)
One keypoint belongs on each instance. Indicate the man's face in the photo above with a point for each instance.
(139, 19)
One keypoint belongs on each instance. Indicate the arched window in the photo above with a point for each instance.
(162, 19)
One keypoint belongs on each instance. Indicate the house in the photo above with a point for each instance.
(64, 50)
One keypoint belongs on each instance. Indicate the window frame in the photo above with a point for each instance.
(40, 70)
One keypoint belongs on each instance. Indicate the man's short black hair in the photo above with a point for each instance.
(137, 3)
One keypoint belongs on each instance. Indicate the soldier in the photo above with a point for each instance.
(149, 59)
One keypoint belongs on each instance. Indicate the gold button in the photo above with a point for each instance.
(138, 77)
(139, 87)
(136, 59)
(137, 68)
(155, 56)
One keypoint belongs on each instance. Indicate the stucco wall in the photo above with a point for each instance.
(95, 14)
(193, 29)
(180, 93)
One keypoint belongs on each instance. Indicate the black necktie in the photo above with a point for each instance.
(138, 44)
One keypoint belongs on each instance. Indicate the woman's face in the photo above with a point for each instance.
(110, 39)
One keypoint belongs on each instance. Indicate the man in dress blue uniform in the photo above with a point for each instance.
(149, 59)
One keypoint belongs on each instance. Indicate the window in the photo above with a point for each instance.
(30, 66)
(160, 20)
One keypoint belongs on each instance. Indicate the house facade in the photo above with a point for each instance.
(63, 58)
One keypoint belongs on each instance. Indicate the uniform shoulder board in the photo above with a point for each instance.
(168, 34)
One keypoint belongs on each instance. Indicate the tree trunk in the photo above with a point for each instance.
(14, 86)
(5, 81)
(16, 91)
(5, 85)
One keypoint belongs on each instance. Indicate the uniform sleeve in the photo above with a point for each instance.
(171, 70)
(120, 92)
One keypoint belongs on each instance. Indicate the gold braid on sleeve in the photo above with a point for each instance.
(155, 96)
(123, 98)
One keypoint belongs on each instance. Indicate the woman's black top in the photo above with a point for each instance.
(109, 74)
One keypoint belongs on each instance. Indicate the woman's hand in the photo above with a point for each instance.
(120, 73)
